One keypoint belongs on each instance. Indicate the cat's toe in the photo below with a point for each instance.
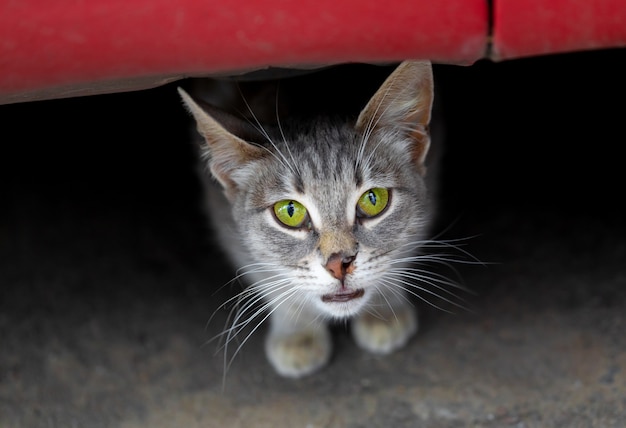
(300, 353)
(385, 333)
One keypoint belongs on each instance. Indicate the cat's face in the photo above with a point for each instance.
(332, 208)
(320, 209)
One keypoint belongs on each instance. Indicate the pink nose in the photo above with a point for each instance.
(339, 265)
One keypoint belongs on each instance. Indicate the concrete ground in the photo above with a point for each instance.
(108, 276)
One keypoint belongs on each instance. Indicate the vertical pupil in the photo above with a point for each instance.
(372, 198)
(290, 209)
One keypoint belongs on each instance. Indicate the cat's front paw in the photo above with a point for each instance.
(299, 353)
(386, 332)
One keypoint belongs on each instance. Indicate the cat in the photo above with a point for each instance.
(324, 219)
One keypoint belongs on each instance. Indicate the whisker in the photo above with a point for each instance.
(233, 333)
(252, 297)
(279, 156)
(282, 134)
(245, 292)
(408, 287)
(284, 296)
(389, 305)
(434, 282)
(246, 270)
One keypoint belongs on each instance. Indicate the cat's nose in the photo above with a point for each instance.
(339, 265)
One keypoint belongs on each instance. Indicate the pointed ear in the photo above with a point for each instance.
(402, 106)
(227, 152)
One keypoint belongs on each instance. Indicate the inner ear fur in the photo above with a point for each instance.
(404, 103)
(227, 152)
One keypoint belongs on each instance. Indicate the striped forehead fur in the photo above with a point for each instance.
(330, 149)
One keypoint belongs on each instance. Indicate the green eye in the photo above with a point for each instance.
(373, 202)
(290, 213)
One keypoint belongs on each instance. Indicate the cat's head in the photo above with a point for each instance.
(332, 206)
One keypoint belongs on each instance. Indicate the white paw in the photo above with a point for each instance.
(387, 332)
(298, 353)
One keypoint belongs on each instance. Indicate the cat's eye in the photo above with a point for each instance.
(373, 202)
(291, 213)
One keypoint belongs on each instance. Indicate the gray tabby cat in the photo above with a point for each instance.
(324, 219)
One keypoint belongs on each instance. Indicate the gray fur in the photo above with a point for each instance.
(326, 164)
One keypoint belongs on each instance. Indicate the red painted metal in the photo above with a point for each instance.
(60, 48)
(536, 27)
(72, 43)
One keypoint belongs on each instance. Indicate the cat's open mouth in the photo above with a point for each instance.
(343, 296)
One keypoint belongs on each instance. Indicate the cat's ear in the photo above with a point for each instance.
(228, 153)
(402, 106)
